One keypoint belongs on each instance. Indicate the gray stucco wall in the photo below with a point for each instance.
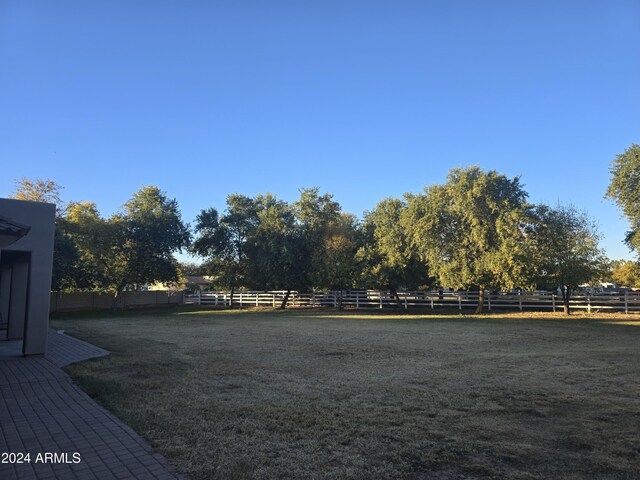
(29, 314)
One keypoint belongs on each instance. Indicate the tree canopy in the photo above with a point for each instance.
(321, 227)
(68, 272)
(223, 240)
(470, 231)
(266, 243)
(128, 250)
(624, 189)
(335, 267)
(38, 190)
(625, 273)
(154, 231)
(387, 259)
(275, 248)
(565, 249)
(476, 231)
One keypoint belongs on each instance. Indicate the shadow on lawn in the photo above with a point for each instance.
(429, 315)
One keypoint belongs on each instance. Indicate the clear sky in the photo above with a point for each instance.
(365, 99)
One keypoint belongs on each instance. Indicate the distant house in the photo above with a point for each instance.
(199, 281)
(26, 262)
(193, 282)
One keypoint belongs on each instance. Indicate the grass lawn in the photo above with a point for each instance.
(261, 394)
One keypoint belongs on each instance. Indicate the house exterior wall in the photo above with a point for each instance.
(5, 291)
(28, 311)
(19, 296)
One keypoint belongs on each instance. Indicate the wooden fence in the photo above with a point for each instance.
(373, 299)
(87, 301)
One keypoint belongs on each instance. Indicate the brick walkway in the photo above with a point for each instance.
(63, 350)
(42, 410)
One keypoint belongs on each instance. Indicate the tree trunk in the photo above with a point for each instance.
(233, 288)
(394, 292)
(283, 305)
(480, 300)
(116, 297)
(566, 296)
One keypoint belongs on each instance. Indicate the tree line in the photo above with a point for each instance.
(476, 231)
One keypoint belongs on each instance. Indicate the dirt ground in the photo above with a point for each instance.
(260, 394)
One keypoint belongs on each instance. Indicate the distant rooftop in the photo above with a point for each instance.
(198, 279)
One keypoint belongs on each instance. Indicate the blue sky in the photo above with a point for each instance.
(363, 99)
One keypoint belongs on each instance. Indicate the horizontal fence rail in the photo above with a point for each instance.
(374, 299)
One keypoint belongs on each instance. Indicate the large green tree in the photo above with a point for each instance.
(132, 248)
(565, 249)
(324, 236)
(625, 273)
(337, 268)
(624, 189)
(223, 240)
(70, 272)
(470, 231)
(266, 244)
(154, 233)
(101, 245)
(275, 249)
(386, 258)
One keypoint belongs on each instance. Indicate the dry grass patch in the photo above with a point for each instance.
(308, 394)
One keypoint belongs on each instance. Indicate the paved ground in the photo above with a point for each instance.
(44, 412)
(64, 350)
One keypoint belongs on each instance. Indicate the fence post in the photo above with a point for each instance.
(431, 299)
(357, 300)
(553, 302)
(380, 299)
(257, 299)
(489, 300)
(626, 303)
(335, 300)
(459, 302)
(293, 299)
(520, 299)
(405, 301)
(313, 299)
(588, 303)
(199, 298)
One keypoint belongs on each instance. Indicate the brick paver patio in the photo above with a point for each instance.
(43, 411)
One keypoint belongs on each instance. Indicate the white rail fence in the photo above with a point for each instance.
(373, 299)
